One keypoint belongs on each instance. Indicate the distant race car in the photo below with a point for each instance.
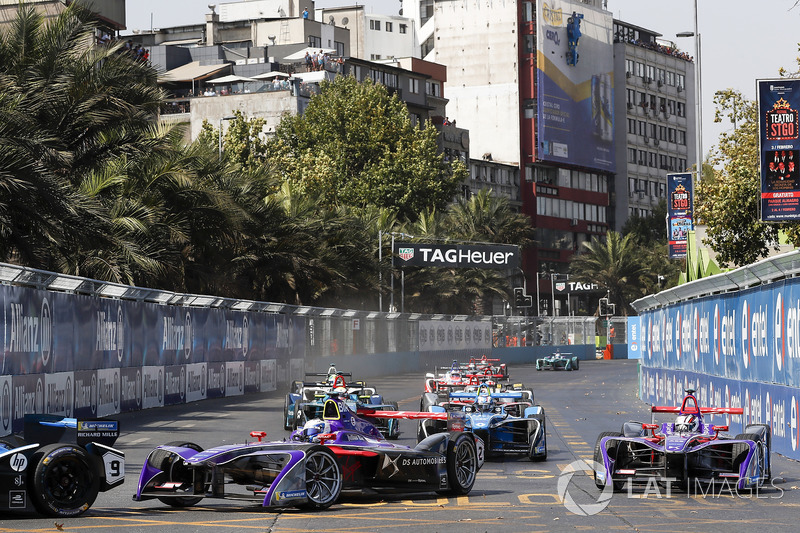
(340, 451)
(506, 420)
(357, 398)
(558, 361)
(686, 451)
(483, 366)
(306, 397)
(59, 465)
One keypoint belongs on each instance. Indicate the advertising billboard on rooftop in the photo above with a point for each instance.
(575, 85)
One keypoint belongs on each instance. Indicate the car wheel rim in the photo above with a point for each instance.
(67, 480)
(322, 478)
(465, 465)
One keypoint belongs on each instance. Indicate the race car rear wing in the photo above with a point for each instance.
(703, 410)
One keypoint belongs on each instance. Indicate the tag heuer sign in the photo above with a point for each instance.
(560, 286)
(501, 256)
(405, 253)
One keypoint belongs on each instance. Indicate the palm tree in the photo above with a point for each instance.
(616, 263)
(68, 109)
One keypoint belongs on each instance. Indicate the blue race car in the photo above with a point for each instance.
(59, 465)
(506, 420)
(687, 451)
(342, 450)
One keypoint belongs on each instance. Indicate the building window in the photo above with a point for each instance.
(681, 109)
(671, 79)
(651, 72)
(375, 24)
(529, 106)
(662, 133)
(682, 137)
(632, 126)
(631, 96)
(681, 80)
(314, 41)
(642, 158)
(374, 57)
(527, 11)
(652, 130)
(390, 79)
(631, 155)
(640, 69)
(413, 85)
(629, 66)
(662, 75)
(433, 88)
(389, 27)
(653, 161)
(403, 28)
(376, 75)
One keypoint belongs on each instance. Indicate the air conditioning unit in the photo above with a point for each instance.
(647, 140)
(655, 141)
(648, 79)
(628, 74)
(680, 88)
(660, 83)
(630, 105)
(573, 222)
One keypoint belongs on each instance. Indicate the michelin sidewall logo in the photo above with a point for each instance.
(586, 509)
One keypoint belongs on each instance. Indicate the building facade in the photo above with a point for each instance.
(655, 127)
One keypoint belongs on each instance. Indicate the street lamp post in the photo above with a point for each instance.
(698, 90)
(220, 133)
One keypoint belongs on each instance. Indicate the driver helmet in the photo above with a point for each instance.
(686, 424)
(312, 428)
(484, 398)
(341, 393)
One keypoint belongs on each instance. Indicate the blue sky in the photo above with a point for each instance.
(741, 40)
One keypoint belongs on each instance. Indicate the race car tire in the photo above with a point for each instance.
(296, 387)
(740, 452)
(65, 483)
(598, 458)
(420, 432)
(577, 363)
(299, 417)
(323, 478)
(532, 450)
(462, 464)
(286, 423)
(427, 400)
(177, 471)
(766, 435)
(393, 424)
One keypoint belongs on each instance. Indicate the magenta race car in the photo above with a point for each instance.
(341, 451)
(686, 452)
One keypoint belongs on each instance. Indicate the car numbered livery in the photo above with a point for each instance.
(558, 361)
(686, 452)
(341, 451)
(505, 419)
(59, 465)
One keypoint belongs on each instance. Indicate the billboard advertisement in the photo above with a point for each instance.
(779, 149)
(679, 212)
(500, 256)
(574, 75)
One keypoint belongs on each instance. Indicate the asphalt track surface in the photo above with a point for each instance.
(510, 494)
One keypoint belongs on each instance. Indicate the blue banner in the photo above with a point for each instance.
(778, 104)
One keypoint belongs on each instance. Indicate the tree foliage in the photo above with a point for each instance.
(355, 146)
(728, 203)
(616, 263)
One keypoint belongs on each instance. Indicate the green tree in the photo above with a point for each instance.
(355, 146)
(728, 203)
(615, 263)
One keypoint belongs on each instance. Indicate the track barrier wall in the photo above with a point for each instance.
(737, 349)
(79, 352)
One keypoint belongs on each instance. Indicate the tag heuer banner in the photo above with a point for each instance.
(778, 103)
(457, 255)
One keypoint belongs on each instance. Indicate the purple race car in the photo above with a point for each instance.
(687, 452)
(340, 451)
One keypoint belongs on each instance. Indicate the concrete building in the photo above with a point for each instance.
(535, 97)
(110, 12)
(373, 37)
(655, 119)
